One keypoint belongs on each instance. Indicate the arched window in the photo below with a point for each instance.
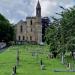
(19, 38)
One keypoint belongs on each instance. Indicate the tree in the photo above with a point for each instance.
(6, 30)
(62, 31)
(45, 24)
(52, 37)
(68, 25)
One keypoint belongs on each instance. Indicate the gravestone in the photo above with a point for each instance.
(14, 70)
(69, 66)
(50, 55)
(33, 53)
(42, 67)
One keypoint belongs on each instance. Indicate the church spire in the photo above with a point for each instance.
(38, 5)
(38, 9)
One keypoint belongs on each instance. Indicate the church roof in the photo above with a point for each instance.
(21, 22)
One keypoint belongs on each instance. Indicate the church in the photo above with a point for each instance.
(31, 29)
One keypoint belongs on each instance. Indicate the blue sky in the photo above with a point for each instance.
(16, 10)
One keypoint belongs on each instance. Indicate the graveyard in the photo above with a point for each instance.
(37, 37)
(29, 61)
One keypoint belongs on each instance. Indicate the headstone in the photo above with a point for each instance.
(14, 70)
(69, 66)
(50, 55)
(42, 67)
(33, 53)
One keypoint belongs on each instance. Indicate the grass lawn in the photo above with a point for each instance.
(30, 65)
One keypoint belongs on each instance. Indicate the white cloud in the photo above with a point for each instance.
(69, 5)
(16, 10)
(21, 12)
(49, 7)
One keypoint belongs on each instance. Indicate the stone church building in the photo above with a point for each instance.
(31, 29)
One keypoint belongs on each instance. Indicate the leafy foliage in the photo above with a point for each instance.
(6, 30)
(61, 33)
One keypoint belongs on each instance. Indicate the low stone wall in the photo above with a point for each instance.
(25, 42)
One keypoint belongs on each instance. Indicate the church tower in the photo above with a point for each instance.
(38, 23)
(38, 9)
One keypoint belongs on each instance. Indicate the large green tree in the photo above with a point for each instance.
(62, 35)
(6, 30)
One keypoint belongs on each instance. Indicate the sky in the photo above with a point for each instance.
(16, 10)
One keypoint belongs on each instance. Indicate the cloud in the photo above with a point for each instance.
(50, 7)
(16, 10)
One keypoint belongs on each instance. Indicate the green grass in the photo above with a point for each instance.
(30, 65)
